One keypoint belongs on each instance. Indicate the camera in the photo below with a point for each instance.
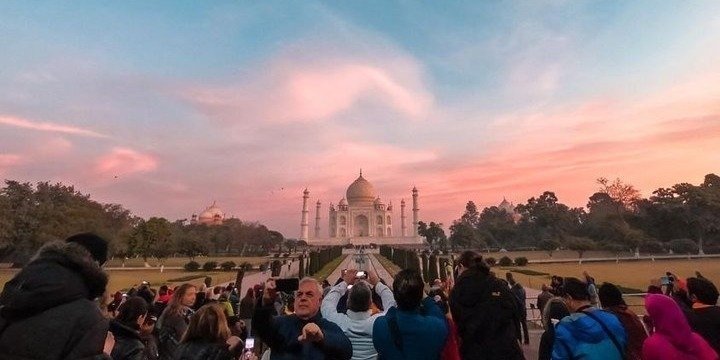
(287, 285)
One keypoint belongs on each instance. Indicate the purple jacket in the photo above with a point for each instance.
(673, 338)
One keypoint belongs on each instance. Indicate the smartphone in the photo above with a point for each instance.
(287, 285)
(249, 343)
(360, 275)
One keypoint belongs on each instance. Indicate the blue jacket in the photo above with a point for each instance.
(579, 336)
(280, 333)
(423, 333)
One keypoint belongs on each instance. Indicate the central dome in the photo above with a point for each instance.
(360, 192)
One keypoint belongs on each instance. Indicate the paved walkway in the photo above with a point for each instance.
(361, 261)
(250, 280)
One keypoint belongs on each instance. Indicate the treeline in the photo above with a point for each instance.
(684, 218)
(31, 215)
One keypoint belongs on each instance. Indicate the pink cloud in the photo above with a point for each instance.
(47, 126)
(123, 161)
(314, 91)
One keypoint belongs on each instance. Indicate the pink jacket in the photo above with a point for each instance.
(673, 338)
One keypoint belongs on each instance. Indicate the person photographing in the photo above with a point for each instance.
(305, 334)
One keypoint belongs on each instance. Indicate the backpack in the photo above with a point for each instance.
(491, 322)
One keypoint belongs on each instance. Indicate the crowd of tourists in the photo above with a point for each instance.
(56, 308)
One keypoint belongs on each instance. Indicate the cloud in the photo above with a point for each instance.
(47, 126)
(123, 161)
(316, 90)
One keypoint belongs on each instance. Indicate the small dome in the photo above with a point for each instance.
(507, 206)
(211, 214)
(361, 192)
(342, 202)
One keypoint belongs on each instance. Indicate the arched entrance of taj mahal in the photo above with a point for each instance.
(361, 226)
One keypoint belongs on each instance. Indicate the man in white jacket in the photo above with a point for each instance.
(357, 324)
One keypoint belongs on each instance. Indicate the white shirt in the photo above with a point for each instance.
(357, 326)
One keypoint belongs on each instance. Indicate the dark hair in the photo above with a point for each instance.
(163, 290)
(703, 289)
(576, 289)
(510, 278)
(359, 297)
(610, 295)
(409, 288)
(131, 310)
(470, 259)
(146, 293)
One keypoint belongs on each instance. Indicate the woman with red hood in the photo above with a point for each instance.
(673, 338)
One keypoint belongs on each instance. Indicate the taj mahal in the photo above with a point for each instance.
(361, 218)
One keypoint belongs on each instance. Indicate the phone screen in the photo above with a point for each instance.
(360, 274)
(249, 343)
(287, 285)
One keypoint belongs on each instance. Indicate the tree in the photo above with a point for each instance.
(549, 245)
(433, 233)
(682, 246)
(496, 226)
(624, 195)
(580, 244)
(545, 217)
(463, 235)
(151, 238)
(471, 216)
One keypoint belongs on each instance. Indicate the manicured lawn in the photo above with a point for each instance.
(124, 279)
(171, 262)
(326, 270)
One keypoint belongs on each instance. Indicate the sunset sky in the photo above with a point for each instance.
(165, 106)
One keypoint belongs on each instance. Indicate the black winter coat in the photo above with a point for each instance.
(486, 315)
(196, 350)
(128, 344)
(48, 310)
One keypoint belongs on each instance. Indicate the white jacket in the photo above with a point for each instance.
(357, 326)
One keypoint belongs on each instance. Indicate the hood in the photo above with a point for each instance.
(472, 286)
(669, 320)
(119, 329)
(58, 274)
(585, 328)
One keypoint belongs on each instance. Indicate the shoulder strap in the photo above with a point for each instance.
(607, 331)
(394, 328)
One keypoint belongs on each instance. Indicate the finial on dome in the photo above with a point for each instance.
(360, 172)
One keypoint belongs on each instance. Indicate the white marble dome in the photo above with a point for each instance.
(211, 215)
(360, 192)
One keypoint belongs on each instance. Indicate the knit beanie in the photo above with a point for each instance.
(95, 245)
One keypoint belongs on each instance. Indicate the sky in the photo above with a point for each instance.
(167, 106)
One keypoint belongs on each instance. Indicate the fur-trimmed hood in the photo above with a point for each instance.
(58, 273)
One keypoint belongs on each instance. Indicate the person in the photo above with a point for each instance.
(554, 311)
(126, 330)
(592, 289)
(224, 301)
(415, 328)
(357, 323)
(48, 309)
(305, 334)
(519, 293)
(704, 317)
(208, 336)
(588, 333)
(673, 338)
(485, 312)
(174, 320)
(544, 296)
(611, 300)
(326, 287)
(112, 307)
(246, 309)
(451, 350)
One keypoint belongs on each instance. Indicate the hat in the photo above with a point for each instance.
(95, 245)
